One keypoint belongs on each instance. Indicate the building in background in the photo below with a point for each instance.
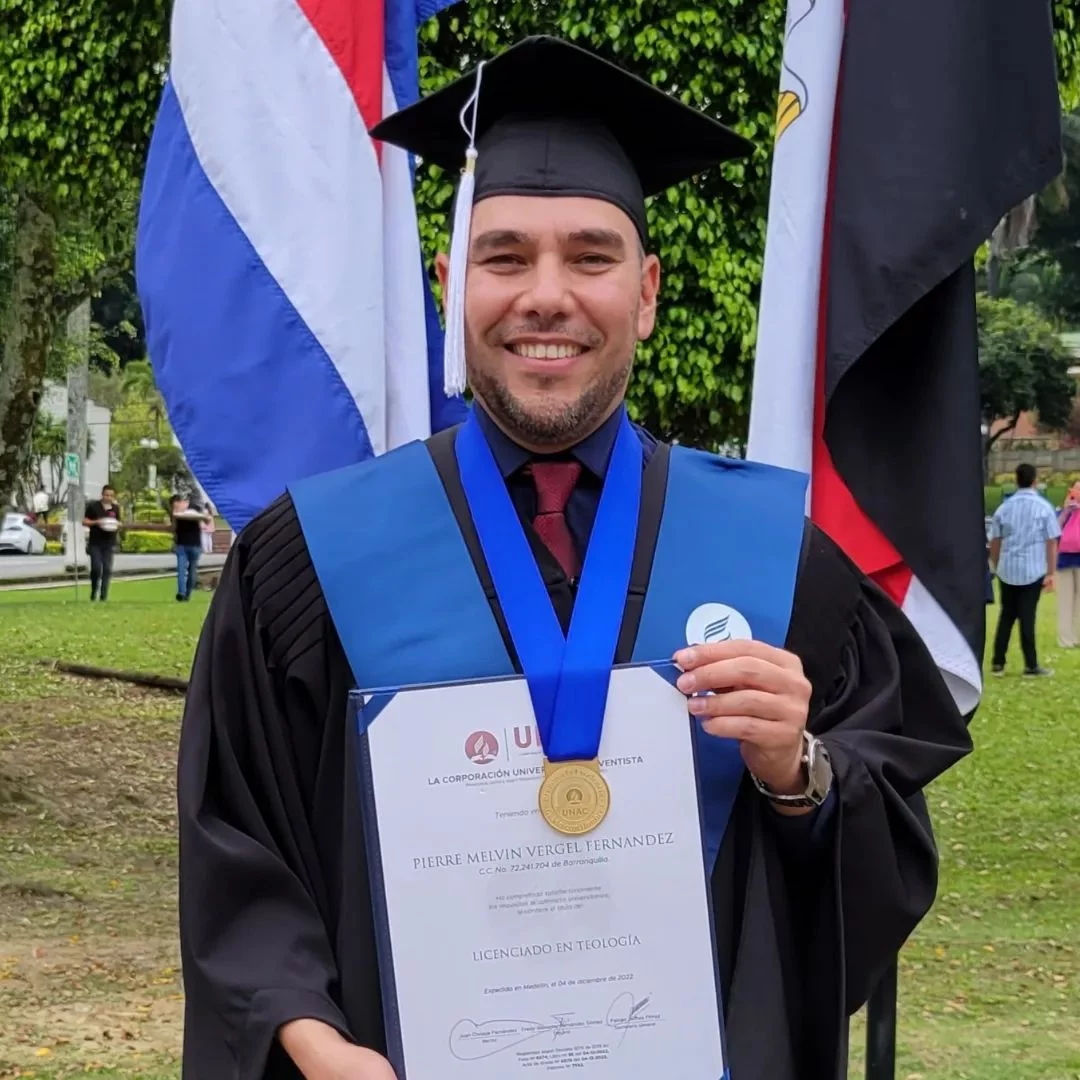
(95, 470)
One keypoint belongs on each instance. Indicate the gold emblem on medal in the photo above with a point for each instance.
(574, 797)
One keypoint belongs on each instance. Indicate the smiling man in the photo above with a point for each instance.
(820, 716)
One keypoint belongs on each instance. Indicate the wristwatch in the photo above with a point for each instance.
(819, 776)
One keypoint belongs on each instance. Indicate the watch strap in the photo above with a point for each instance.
(811, 797)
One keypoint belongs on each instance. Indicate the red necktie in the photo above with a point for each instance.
(555, 481)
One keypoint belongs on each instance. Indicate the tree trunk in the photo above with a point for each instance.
(28, 336)
(78, 333)
(993, 276)
(988, 442)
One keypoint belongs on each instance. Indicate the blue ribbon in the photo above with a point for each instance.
(567, 676)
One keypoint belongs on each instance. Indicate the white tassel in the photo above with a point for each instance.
(454, 344)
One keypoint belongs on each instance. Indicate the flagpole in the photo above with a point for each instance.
(881, 1027)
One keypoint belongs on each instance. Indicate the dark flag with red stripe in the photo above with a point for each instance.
(906, 131)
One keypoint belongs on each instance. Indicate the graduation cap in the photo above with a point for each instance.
(548, 118)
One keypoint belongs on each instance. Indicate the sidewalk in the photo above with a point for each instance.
(23, 571)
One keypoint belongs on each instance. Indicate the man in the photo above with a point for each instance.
(816, 879)
(102, 516)
(1023, 554)
(187, 540)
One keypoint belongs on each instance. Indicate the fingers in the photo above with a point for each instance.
(765, 735)
(699, 655)
(746, 673)
(773, 709)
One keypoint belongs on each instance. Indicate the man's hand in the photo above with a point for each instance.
(320, 1053)
(761, 697)
(1048, 583)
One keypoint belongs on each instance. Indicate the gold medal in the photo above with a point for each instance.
(574, 797)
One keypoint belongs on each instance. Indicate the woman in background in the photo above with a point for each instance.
(207, 529)
(1068, 570)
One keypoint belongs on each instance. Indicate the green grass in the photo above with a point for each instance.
(990, 983)
(140, 627)
(89, 972)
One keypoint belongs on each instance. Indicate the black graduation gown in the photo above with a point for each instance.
(275, 911)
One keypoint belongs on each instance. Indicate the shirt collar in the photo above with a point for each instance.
(594, 451)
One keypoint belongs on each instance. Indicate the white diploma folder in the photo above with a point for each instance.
(508, 949)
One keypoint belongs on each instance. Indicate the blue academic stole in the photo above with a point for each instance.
(409, 609)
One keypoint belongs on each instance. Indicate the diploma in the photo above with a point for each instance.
(509, 949)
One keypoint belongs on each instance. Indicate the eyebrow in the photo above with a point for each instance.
(494, 239)
(601, 238)
(499, 238)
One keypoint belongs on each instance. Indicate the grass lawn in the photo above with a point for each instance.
(89, 986)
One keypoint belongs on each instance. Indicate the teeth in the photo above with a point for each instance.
(547, 352)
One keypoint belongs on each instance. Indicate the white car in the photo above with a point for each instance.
(17, 533)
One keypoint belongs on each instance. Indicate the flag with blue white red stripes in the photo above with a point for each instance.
(289, 320)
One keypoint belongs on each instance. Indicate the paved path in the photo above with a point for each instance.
(15, 568)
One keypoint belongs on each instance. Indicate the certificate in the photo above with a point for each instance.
(508, 949)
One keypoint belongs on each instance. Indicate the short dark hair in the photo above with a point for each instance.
(1025, 475)
(108, 487)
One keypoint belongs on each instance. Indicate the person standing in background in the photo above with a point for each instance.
(1068, 570)
(187, 538)
(102, 517)
(1023, 554)
(207, 530)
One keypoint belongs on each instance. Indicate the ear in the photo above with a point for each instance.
(650, 289)
(442, 272)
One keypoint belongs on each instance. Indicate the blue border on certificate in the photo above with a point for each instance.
(364, 707)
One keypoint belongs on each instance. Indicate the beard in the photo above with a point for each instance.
(555, 424)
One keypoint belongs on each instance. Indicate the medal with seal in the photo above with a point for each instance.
(574, 796)
(568, 676)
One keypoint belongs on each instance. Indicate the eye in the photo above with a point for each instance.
(505, 259)
(594, 260)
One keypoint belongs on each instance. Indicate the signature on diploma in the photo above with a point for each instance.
(471, 1040)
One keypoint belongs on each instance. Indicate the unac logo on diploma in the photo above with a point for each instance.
(481, 748)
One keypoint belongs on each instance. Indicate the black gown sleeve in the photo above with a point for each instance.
(255, 946)
(891, 727)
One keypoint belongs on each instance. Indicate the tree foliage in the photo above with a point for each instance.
(79, 86)
(1066, 16)
(692, 376)
(1054, 259)
(140, 414)
(43, 467)
(1023, 366)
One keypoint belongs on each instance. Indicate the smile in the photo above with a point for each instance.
(532, 351)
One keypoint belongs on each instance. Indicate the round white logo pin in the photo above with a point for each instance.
(709, 623)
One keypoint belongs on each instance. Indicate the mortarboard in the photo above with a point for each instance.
(546, 117)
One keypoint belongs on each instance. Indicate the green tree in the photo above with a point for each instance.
(1023, 367)
(43, 466)
(1056, 245)
(79, 85)
(141, 416)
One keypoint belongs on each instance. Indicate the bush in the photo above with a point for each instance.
(147, 543)
(54, 547)
(150, 510)
(1056, 494)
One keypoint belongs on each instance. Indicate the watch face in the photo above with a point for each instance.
(821, 774)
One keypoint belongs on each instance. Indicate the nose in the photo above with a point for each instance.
(547, 293)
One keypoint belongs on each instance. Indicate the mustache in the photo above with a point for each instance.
(580, 335)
